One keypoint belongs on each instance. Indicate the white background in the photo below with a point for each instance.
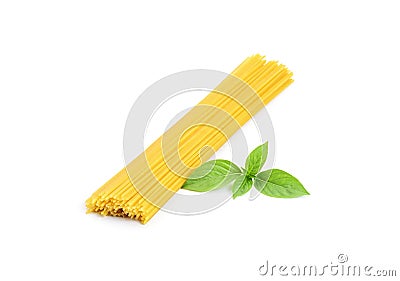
(69, 73)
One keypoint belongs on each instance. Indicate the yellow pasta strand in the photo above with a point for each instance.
(141, 188)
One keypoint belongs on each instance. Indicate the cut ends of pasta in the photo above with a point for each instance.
(141, 188)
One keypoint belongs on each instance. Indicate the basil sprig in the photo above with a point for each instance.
(215, 174)
(211, 175)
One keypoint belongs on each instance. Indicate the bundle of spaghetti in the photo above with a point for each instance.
(141, 188)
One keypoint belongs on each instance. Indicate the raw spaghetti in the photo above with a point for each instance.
(141, 188)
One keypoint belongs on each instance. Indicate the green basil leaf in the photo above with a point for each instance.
(256, 159)
(211, 175)
(241, 185)
(279, 184)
